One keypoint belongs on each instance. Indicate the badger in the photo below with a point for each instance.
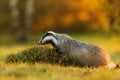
(87, 54)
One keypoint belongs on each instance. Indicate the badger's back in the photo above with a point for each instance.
(88, 54)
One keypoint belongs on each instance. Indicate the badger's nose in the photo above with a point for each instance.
(39, 42)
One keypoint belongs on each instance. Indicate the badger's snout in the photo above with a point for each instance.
(40, 42)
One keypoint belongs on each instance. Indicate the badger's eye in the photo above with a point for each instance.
(48, 34)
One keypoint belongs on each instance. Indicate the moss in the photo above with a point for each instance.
(41, 54)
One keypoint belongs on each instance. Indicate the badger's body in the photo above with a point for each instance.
(87, 54)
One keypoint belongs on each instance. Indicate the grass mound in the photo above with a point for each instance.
(40, 54)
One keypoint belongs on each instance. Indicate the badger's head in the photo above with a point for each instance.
(58, 41)
(49, 37)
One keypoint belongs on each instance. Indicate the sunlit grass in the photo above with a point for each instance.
(43, 71)
(46, 71)
(5, 50)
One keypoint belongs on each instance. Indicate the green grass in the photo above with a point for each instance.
(47, 71)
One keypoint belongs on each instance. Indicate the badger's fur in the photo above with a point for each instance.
(87, 54)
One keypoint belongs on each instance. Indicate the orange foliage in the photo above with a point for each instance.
(44, 23)
(67, 19)
(68, 12)
(83, 16)
(103, 21)
(91, 4)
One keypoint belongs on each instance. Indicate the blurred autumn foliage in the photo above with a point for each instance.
(75, 15)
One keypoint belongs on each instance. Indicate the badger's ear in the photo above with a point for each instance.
(50, 32)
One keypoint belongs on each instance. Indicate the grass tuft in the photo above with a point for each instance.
(41, 54)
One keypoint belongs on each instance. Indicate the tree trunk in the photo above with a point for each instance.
(14, 13)
(29, 12)
(22, 14)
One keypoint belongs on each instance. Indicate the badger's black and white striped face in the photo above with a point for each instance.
(49, 37)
